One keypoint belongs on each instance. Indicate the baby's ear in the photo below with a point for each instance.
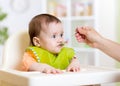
(36, 41)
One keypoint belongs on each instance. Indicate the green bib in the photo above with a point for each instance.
(61, 61)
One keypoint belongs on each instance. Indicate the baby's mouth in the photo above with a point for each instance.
(62, 44)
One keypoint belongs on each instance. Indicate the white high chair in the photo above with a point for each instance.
(10, 75)
(14, 49)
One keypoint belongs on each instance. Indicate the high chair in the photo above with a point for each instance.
(10, 74)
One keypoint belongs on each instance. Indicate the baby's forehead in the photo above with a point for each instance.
(52, 30)
(50, 25)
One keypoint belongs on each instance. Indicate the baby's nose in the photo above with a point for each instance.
(61, 40)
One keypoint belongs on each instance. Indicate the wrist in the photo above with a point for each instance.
(100, 42)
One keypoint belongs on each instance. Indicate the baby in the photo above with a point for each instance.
(47, 53)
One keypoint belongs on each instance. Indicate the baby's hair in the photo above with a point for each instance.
(39, 22)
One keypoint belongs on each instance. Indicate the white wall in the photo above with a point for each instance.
(107, 28)
(16, 20)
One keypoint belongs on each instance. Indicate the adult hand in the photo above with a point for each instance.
(87, 35)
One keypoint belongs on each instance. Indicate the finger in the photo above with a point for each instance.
(73, 69)
(68, 69)
(81, 34)
(59, 71)
(78, 28)
(54, 71)
(48, 71)
(80, 38)
(77, 69)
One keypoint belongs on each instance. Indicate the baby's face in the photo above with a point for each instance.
(51, 38)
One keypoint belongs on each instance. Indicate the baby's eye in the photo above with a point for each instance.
(54, 36)
(61, 35)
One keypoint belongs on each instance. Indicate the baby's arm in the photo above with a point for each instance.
(44, 68)
(30, 64)
(74, 65)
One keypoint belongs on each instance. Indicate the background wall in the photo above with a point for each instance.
(107, 27)
(18, 19)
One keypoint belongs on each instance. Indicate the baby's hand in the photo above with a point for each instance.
(50, 70)
(74, 66)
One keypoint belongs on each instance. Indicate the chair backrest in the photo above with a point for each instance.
(14, 49)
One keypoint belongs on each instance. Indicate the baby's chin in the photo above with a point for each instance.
(57, 51)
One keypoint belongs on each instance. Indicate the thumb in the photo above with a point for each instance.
(81, 31)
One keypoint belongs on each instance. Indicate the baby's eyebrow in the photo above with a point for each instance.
(54, 33)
